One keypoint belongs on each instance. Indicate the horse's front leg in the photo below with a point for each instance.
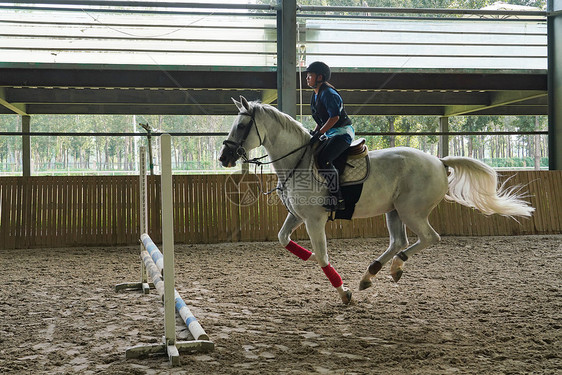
(291, 223)
(317, 233)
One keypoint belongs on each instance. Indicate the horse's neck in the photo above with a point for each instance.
(281, 142)
(284, 145)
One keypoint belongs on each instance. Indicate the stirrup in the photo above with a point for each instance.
(334, 204)
(340, 205)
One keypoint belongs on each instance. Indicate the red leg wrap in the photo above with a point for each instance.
(333, 276)
(298, 250)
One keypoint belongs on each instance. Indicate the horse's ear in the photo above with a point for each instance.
(245, 103)
(238, 104)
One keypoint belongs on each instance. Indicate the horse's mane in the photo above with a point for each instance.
(285, 121)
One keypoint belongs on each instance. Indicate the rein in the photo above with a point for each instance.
(258, 163)
(281, 188)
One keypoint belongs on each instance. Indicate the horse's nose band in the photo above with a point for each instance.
(237, 148)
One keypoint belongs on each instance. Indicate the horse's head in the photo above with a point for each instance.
(244, 135)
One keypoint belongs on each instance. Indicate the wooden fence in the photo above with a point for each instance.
(103, 211)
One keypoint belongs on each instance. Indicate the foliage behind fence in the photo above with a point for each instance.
(104, 211)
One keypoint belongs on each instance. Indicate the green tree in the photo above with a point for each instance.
(10, 147)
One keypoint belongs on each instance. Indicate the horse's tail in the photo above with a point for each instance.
(475, 184)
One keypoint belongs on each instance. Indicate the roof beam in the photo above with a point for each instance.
(414, 97)
(497, 99)
(71, 90)
(465, 80)
(58, 95)
(16, 108)
(139, 109)
(158, 77)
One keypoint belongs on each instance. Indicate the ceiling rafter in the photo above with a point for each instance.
(37, 89)
(19, 109)
(497, 99)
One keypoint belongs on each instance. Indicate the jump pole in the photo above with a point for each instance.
(157, 264)
(143, 285)
(151, 258)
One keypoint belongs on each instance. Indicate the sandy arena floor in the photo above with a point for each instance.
(489, 305)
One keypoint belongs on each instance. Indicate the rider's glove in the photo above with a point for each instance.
(315, 138)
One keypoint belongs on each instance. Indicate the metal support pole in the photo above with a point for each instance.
(150, 157)
(168, 239)
(443, 138)
(143, 217)
(554, 27)
(287, 57)
(26, 145)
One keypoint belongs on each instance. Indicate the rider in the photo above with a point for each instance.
(332, 121)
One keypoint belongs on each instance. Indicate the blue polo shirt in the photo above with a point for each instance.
(333, 103)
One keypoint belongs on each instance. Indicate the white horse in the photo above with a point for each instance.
(404, 183)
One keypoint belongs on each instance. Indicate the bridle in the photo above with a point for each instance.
(238, 149)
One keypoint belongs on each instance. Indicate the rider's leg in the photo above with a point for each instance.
(331, 177)
(332, 148)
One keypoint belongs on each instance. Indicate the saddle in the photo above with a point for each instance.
(353, 164)
(357, 148)
(346, 161)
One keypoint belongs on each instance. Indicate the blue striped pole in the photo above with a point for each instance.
(154, 252)
(191, 322)
(153, 272)
(152, 257)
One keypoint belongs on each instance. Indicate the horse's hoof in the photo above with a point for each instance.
(346, 297)
(364, 284)
(396, 276)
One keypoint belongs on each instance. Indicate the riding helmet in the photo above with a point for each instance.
(319, 67)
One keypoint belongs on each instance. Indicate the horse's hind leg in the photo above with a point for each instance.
(427, 236)
(398, 241)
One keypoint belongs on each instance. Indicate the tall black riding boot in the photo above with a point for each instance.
(331, 150)
(335, 199)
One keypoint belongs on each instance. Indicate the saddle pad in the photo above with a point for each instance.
(356, 171)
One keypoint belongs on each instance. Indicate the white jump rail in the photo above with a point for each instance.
(160, 268)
